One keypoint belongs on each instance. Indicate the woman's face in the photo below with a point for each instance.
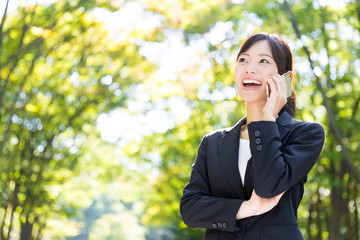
(253, 69)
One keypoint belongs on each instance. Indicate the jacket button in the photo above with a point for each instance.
(238, 231)
(214, 225)
(257, 133)
(257, 140)
(259, 148)
(219, 225)
(224, 225)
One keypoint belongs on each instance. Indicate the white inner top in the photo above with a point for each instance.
(244, 156)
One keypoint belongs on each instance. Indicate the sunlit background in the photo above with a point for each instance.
(103, 104)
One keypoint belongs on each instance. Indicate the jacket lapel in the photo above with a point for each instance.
(249, 184)
(229, 151)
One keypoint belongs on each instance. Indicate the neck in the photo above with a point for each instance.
(254, 111)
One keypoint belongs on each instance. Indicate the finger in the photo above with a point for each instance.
(275, 88)
(280, 81)
(280, 84)
(272, 84)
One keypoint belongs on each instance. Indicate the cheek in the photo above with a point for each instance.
(270, 71)
(265, 75)
(237, 73)
(236, 70)
(237, 80)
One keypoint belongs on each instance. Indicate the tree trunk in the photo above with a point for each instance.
(318, 216)
(14, 206)
(308, 228)
(336, 207)
(2, 26)
(347, 213)
(26, 230)
(337, 201)
(6, 207)
(356, 213)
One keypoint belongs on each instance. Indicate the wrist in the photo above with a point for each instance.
(266, 117)
(246, 210)
(268, 114)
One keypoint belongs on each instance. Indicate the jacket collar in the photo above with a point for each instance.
(237, 126)
(229, 151)
(283, 119)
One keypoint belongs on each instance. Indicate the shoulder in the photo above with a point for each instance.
(216, 134)
(286, 121)
(309, 131)
(233, 130)
(308, 126)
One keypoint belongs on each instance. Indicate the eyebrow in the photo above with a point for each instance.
(261, 55)
(267, 55)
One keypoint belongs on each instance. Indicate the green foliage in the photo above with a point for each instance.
(60, 68)
(328, 34)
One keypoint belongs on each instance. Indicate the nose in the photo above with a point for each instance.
(251, 68)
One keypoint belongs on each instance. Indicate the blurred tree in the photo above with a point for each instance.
(324, 37)
(58, 70)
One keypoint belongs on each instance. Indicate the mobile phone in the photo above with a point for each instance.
(288, 78)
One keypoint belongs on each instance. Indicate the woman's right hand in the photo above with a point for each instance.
(277, 99)
(257, 205)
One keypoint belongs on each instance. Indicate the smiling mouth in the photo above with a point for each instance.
(251, 83)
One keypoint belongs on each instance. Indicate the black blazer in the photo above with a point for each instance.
(282, 155)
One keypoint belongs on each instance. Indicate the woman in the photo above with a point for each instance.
(247, 181)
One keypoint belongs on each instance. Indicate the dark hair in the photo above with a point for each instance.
(283, 58)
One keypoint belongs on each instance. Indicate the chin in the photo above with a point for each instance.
(252, 99)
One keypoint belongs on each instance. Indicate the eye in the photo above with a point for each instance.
(264, 61)
(242, 60)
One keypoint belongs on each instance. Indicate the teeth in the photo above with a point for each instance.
(252, 81)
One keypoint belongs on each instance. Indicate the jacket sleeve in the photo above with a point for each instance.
(198, 208)
(277, 167)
